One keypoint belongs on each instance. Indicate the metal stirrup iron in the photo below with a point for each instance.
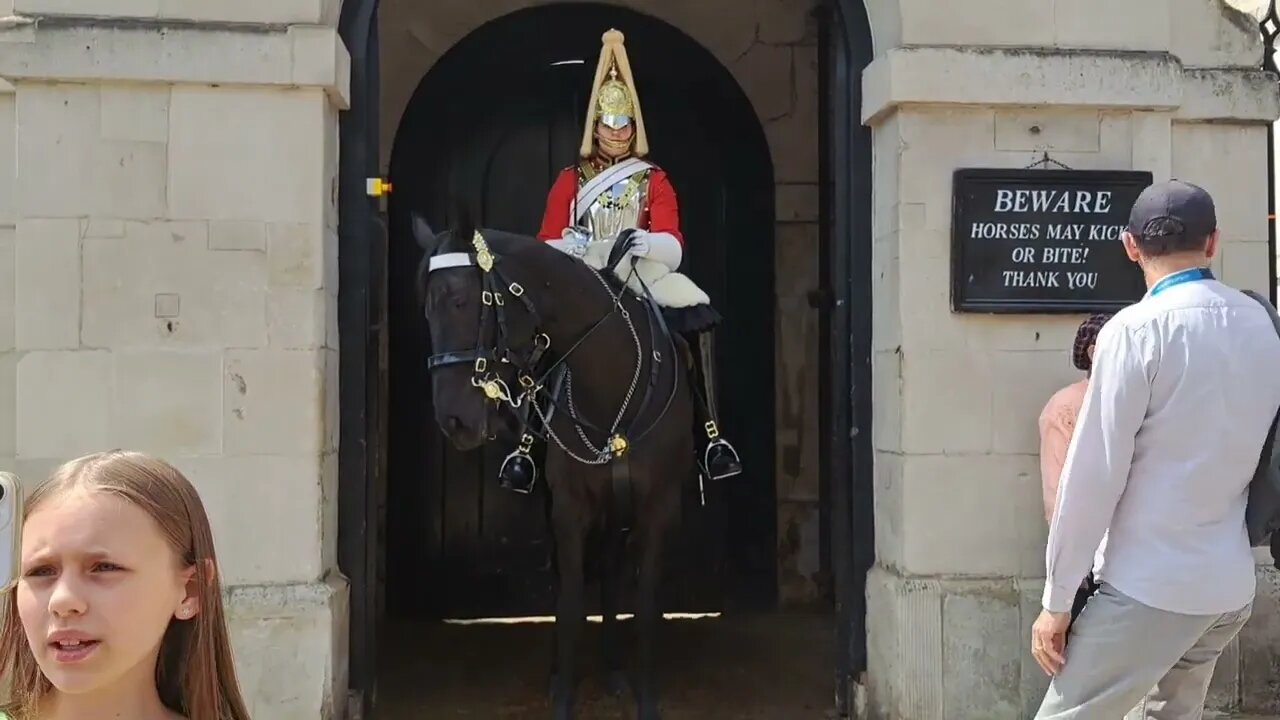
(719, 460)
(519, 473)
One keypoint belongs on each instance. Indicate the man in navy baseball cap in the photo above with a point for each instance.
(1153, 492)
(1171, 218)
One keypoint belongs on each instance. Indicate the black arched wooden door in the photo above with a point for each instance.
(494, 121)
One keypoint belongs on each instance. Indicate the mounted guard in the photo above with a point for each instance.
(616, 209)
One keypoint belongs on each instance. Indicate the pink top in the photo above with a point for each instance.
(1057, 421)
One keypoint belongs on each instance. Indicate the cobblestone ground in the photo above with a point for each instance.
(774, 667)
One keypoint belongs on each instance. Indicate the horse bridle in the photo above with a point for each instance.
(484, 356)
(493, 312)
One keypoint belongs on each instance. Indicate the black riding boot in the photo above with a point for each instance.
(720, 460)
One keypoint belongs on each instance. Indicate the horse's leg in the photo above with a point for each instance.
(648, 619)
(612, 563)
(570, 611)
(554, 665)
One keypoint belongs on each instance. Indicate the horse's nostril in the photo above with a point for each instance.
(452, 424)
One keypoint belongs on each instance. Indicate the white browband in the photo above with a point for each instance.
(451, 260)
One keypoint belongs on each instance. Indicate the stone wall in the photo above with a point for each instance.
(770, 46)
(308, 12)
(168, 280)
(960, 534)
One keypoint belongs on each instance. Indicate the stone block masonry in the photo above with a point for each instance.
(168, 265)
(960, 535)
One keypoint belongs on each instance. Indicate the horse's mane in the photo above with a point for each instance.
(502, 242)
(459, 237)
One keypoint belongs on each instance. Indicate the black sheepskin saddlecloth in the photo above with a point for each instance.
(691, 320)
(681, 321)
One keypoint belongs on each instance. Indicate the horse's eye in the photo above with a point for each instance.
(457, 301)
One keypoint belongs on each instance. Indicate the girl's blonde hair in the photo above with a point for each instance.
(195, 675)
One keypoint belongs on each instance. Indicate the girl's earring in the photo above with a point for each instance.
(184, 613)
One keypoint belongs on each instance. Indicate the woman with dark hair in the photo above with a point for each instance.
(1058, 420)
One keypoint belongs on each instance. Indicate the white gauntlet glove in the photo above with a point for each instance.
(639, 245)
(660, 247)
(573, 241)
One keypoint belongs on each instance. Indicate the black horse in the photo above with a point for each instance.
(516, 324)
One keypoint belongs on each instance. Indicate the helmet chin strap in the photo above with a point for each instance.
(616, 148)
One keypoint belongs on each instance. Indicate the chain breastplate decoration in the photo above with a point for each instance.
(617, 208)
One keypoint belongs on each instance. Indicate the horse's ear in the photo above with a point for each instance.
(422, 233)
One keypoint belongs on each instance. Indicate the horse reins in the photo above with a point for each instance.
(493, 317)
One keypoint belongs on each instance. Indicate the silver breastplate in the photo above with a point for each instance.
(618, 208)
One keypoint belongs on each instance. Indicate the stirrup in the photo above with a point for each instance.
(519, 473)
(720, 460)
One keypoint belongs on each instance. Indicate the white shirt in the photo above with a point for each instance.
(1184, 388)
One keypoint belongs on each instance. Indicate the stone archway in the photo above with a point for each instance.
(941, 79)
(456, 138)
(798, 264)
(797, 201)
(772, 53)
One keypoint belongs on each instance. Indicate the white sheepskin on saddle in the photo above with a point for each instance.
(670, 289)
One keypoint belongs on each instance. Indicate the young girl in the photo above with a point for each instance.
(118, 611)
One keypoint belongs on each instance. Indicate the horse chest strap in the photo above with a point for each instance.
(622, 503)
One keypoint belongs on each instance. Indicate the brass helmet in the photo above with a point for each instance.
(613, 97)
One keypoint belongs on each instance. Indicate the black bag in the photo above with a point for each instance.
(1262, 516)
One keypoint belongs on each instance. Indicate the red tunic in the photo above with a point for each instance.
(660, 215)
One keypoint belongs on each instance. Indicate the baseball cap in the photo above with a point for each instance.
(1183, 209)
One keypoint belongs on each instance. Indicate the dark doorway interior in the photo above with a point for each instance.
(494, 120)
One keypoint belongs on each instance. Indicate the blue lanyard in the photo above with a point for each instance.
(1182, 276)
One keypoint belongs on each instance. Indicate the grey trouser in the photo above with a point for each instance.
(1126, 657)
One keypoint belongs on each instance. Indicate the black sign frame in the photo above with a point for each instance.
(965, 299)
